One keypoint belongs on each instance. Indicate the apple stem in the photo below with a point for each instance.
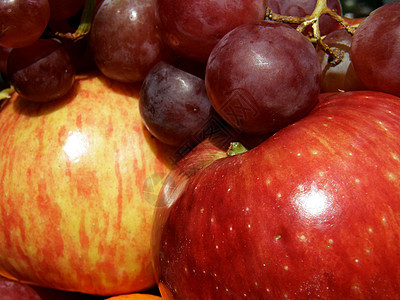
(85, 23)
(321, 8)
(236, 148)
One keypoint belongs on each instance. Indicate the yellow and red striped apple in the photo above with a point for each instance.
(74, 173)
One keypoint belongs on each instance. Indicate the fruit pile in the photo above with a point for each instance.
(197, 149)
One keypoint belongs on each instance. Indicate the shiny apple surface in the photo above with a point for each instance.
(311, 212)
(75, 210)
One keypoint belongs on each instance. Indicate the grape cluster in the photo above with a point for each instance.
(39, 67)
(203, 65)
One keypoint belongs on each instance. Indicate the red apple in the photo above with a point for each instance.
(76, 190)
(312, 212)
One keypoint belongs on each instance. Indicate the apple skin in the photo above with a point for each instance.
(312, 212)
(73, 172)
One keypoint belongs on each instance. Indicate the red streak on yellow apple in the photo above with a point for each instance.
(72, 211)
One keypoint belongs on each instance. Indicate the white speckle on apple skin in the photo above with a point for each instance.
(391, 176)
(382, 125)
(355, 287)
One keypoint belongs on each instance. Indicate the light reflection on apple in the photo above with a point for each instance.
(133, 15)
(75, 146)
(174, 186)
(312, 203)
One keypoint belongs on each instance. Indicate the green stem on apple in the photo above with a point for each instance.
(236, 148)
(312, 20)
(85, 23)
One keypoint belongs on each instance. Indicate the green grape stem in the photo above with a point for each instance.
(3, 30)
(6, 94)
(85, 23)
(312, 20)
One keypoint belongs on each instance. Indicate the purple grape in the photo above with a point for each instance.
(342, 76)
(174, 106)
(22, 22)
(302, 8)
(124, 39)
(375, 49)
(42, 71)
(193, 27)
(262, 77)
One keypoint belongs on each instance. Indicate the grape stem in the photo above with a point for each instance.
(3, 30)
(321, 8)
(6, 94)
(85, 23)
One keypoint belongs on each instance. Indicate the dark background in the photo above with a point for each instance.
(361, 8)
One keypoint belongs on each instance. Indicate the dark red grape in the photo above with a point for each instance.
(64, 9)
(302, 8)
(42, 71)
(193, 27)
(341, 76)
(13, 290)
(22, 22)
(124, 39)
(174, 106)
(4, 53)
(262, 77)
(375, 49)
